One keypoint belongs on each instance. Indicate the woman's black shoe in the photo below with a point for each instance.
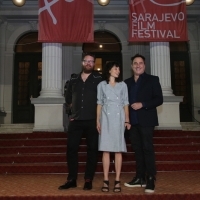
(105, 188)
(116, 189)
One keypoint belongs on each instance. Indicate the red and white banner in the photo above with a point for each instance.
(157, 20)
(66, 21)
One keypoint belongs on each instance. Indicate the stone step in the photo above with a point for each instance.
(190, 126)
(16, 128)
(28, 128)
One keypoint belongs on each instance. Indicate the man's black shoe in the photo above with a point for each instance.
(88, 184)
(136, 182)
(150, 184)
(68, 184)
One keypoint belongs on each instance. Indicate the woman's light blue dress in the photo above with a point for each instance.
(113, 100)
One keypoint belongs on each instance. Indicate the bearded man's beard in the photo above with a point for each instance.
(87, 71)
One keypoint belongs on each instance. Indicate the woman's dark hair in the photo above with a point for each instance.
(108, 67)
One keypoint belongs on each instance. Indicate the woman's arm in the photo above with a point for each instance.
(99, 117)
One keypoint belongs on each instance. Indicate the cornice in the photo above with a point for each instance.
(115, 11)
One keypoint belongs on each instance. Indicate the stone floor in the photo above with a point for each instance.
(44, 185)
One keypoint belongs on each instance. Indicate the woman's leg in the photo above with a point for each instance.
(118, 165)
(106, 164)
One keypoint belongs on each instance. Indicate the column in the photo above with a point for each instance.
(138, 48)
(49, 105)
(168, 113)
(2, 68)
(160, 65)
(51, 70)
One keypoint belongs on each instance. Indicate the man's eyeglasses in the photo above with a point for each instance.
(88, 61)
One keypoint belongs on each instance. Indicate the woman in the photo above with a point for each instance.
(112, 119)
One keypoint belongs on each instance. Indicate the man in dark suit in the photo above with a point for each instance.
(145, 94)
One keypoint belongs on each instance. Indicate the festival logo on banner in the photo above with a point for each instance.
(157, 20)
(66, 21)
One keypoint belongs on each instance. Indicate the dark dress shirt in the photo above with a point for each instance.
(83, 96)
(132, 99)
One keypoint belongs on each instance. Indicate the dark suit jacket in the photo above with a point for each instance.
(149, 93)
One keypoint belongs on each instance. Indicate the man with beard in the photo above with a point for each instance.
(81, 95)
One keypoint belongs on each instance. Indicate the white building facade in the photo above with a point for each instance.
(59, 61)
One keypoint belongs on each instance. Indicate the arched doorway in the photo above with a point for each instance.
(106, 47)
(180, 76)
(27, 77)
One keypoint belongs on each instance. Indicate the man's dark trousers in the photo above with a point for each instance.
(142, 144)
(75, 133)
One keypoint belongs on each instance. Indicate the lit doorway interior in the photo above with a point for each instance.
(106, 47)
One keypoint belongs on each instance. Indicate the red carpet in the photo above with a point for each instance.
(169, 186)
(46, 153)
(29, 164)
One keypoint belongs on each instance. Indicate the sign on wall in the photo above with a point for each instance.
(66, 21)
(157, 20)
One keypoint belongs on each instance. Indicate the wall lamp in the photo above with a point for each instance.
(103, 2)
(19, 3)
(189, 2)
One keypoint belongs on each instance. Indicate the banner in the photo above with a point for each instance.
(66, 21)
(157, 20)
